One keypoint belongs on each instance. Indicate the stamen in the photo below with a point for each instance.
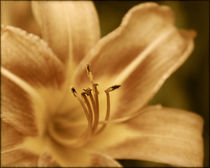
(88, 106)
(91, 107)
(89, 73)
(108, 107)
(82, 104)
(95, 90)
(96, 111)
(89, 93)
(89, 129)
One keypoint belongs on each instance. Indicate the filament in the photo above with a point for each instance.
(107, 113)
(89, 107)
(93, 103)
(84, 109)
(96, 111)
(95, 100)
(108, 107)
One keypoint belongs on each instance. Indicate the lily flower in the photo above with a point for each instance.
(70, 98)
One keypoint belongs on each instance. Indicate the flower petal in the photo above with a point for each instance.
(140, 55)
(146, 80)
(40, 66)
(163, 135)
(68, 27)
(10, 137)
(80, 157)
(19, 14)
(17, 109)
(20, 158)
(29, 70)
(11, 152)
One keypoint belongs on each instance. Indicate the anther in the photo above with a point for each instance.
(83, 94)
(88, 106)
(89, 73)
(95, 101)
(88, 68)
(80, 101)
(112, 88)
(74, 92)
(87, 91)
(85, 111)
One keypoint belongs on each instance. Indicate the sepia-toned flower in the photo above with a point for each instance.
(71, 98)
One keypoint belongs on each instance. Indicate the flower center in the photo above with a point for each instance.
(89, 102)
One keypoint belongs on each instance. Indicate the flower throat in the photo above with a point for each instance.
(89, 102)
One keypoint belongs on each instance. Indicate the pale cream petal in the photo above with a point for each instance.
(68, 27)
(19, 14)
(17, 108)
(29, 69)
(163, 135)
(139, 28)
(28, 57)
(80, 157)
(11, 152)
(19, 158)
(146, 79)
(139, 55)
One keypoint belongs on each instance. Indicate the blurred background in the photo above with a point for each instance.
(189, 85)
